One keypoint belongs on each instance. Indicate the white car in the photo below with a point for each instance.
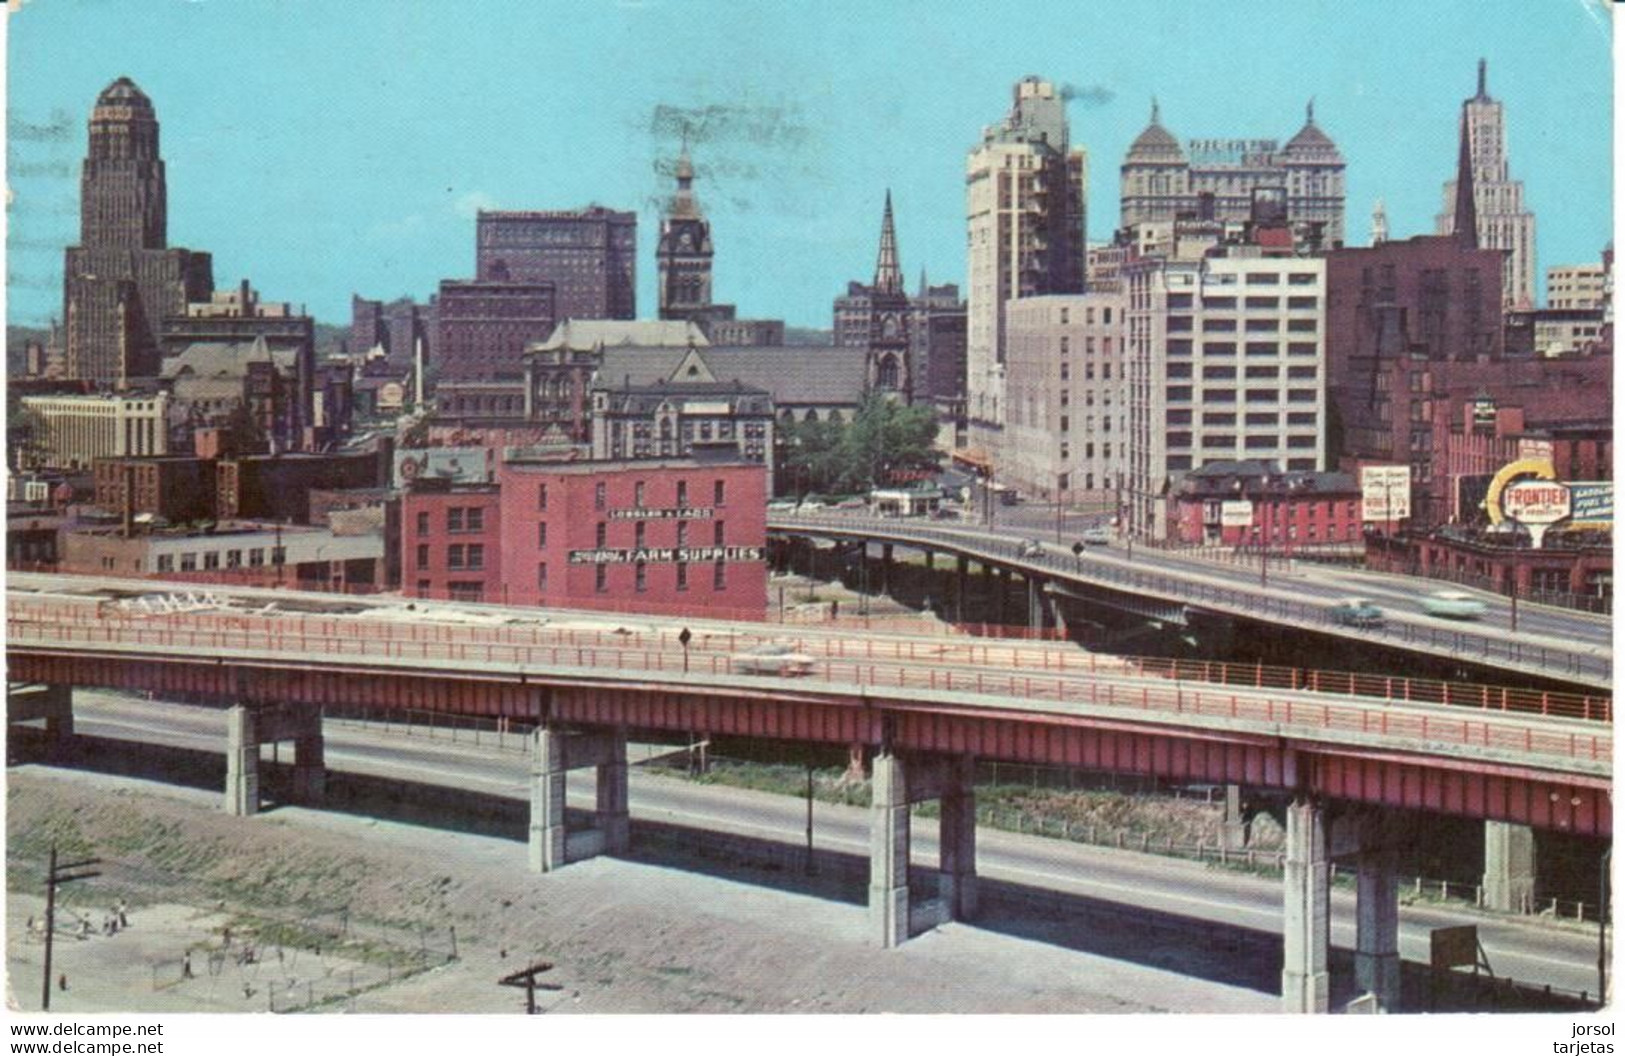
(777, 659)
(1453, 605)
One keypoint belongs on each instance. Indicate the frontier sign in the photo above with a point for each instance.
(1537, 505)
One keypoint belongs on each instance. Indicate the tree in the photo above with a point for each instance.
(884, 443)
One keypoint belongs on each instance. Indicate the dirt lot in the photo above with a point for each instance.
(363, 902)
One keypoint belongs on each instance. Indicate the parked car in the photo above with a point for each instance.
(1099, 535)
(776, 659)
(782, 504)
(1356, 612)
(1453, 605)
(851, 503)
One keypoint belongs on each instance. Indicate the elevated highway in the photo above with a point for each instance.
(1558, 644)
(1350, 763)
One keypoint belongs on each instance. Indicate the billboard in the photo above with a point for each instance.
(1235, 513)
(1536, 501)
(1385, 493)
(1593, 503)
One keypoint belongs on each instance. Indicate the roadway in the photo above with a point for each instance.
(1065, 684)
(1528, 950)
(1551, 641)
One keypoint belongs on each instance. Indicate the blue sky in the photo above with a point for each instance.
(322, 148)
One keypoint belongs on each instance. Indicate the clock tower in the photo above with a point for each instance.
(684, 254)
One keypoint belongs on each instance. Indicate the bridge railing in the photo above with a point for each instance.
(1487, 733)
(1027, 656)
(1185, 589)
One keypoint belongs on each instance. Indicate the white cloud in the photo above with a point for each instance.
(471, 203)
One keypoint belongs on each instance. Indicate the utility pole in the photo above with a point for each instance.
(809, 819)
(526, 978)
(55, 875)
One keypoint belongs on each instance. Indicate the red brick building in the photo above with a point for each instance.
(1288, 511)
(451, 544)
(672, 537)
(177, 488)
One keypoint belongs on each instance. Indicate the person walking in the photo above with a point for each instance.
(186, 966)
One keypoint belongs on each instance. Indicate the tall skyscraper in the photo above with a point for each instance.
(1218, 179)
(1497, 200)
(889, 317)
(684, 254)
(122, 279)
(588, 255)
(1025, 208)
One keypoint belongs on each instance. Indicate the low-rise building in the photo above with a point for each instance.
(1255, 505)
(234, 552)
(72, 432)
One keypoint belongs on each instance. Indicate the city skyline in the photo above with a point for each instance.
(267, 119)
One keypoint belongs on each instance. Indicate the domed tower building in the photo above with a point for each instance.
(123, 279)
(1224, 180)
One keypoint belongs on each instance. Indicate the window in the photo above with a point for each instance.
(188, 562)
(601, 578)
(719, 577)
(454, 519)
(1264, 302)
(1302, 278)
(603, 535)
(476, 555)
(637, 495)
(541, 496)
(466, 591)
(1298, 303)
(1220, 325)
(541, 534)
(234, 559)
(718, 534)
(166, 562)
(1179, 417)
(682, 575)
(1303, 326)
(1263, 418)
(642, 580)
(1179, 324)
(423, 555)
(1269, 326)
(423, 523)
(1179, 394)
(1176, 347)
(1263, 278)
(1220, 395)
(1265, 372)
(640, 535)
(1213, 440)
(1301, 418)
(1262, 348)
(1226, 418)
(1218, 373)
(1180, 370)
(423, 588)
(1301, 373)
(476, 519)
(541, 576)
(682, 494)
(1262, 396)
(1256, 442)
(256, 557)
(1302, 441)
(1220, 303)
(1179, 300)
(279, 555)
(454, 556)
(1300, 348)
(1218, 348)
(719, 493)
(599, 495)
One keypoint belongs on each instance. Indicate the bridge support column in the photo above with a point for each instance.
(1306, 924)
(614, 817)
(1376, 923)
(885, 568)
(547, 775)
(1509, 867)
(961, 582)
(930, 559)
(1001, 590)
(309, 757)
(242, 761)
(888, 852)
(1233, 829)
(957, 839)
(52, 702)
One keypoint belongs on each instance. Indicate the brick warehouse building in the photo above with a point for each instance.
(671, 537)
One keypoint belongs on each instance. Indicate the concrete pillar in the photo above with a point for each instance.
(885, 568)
(1001, 589)
(930, 559)
(1233, 829)
(613, 818)
(1376, 926)
(547, 800)
(59, 713)
(888, 852)
(961, 582)
(957, 840)
(309, 762)
(242, 762)
(1509, 867)
(1306, 924)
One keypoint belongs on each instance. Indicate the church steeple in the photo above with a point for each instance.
(888, 273)
(684, 253)
(1466, 221)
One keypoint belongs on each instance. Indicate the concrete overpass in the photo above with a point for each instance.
(1352, 767)
(1570, 647)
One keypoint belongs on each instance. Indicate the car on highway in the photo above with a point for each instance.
(784, 505)
(1099, 535)
(1453, 605)
(1356, 612)
(776, 659)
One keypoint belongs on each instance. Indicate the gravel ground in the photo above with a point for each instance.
(624, 936)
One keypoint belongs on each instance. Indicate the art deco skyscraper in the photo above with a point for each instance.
(122, 279)
(1024, 204)
(1502, 221)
